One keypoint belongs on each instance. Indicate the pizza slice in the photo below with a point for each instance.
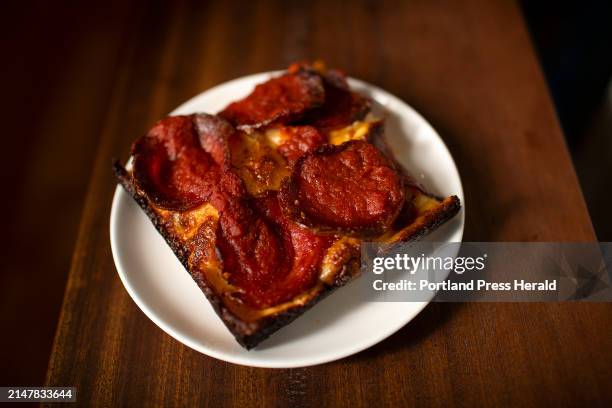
(266, 204)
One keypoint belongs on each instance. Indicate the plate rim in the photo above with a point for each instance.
(348, 350)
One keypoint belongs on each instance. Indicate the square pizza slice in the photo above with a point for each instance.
(267, 202)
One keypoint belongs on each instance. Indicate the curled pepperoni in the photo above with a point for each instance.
(279, 100)
(341, 107)
(214, 133)
(275, 259)
(299, 140)
(351, 188)
(269, 257)
(171, 168)
(178, 163)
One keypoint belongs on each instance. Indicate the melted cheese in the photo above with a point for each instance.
(276, 137)
(258, 163)
(424, 202)
(359, 130)
(187, 223)
(337, 256)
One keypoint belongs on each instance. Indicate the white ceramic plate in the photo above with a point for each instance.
(340, 325)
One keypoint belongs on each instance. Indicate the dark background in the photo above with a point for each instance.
(54, 55)
(574, 43)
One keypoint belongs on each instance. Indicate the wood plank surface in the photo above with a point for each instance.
(470, 69)
(58, 73)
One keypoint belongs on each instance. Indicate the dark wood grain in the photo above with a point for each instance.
(470, 69)
(58, 71)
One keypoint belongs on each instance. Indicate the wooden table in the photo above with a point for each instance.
(468, 67)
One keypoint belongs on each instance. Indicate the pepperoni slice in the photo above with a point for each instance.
(299, 140)
(351, 188)
(275, 259)
(342, 107)
(214, 133)
(170, 166)
(279, 100)
(178, 163)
